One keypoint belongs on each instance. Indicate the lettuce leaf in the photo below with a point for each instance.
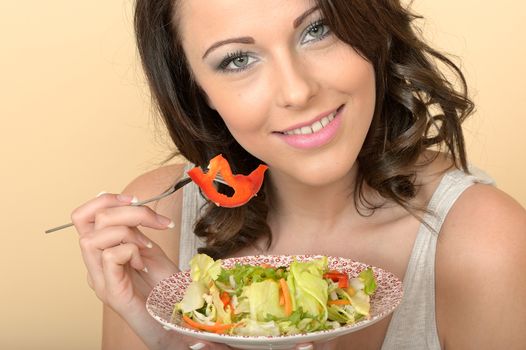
(310, 288)
(193, 297)
(367, 276)
(204, 268)
(263, 300)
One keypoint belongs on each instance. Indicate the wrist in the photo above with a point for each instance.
(151, 332)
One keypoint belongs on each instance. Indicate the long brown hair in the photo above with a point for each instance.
(409, 86)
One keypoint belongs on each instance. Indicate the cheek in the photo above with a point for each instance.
(244, 108)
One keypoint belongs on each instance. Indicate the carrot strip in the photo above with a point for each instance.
(339, 302)
(286, 296)
(217, 327)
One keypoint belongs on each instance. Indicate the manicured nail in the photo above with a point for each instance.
(127, 198)
(101, 193)
(197, 346)
(144, 240)
(306, 347)
(165, 221)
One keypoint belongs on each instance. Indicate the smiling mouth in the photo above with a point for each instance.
(314, 127)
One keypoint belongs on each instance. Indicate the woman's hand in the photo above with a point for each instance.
(123, 264)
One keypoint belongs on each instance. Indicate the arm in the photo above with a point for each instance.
(480, 272)
(116, 333)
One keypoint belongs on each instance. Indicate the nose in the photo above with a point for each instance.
(295, 82)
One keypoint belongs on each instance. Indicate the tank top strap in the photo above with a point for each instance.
(192, 204)
(452, 185)
(413, 323)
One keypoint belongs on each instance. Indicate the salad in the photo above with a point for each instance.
(269, 300)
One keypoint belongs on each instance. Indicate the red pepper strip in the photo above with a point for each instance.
(245, 186)
(340, 277)
(225, 298)
(343, 282)
(217, 327)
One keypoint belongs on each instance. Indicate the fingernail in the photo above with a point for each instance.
(144, 240)
(306, 347)
(126, 198)
(145, 269)
(197, 346)
(165, 221)
(101, 193)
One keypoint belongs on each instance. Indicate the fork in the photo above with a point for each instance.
(179, 184)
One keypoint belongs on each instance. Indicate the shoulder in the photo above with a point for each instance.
(151, 184)
(480, 264)
(155, 181)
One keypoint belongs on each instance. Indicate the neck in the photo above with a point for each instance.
(304, 208)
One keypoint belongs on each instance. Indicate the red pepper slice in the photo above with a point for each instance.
(343, 282)
(225, 298)
(340, 277)
(245, 186)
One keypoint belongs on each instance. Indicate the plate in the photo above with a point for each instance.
(171, 290)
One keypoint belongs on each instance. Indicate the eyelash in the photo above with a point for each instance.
(230, 57)
(317, 23)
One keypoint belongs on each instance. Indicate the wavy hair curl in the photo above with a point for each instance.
(410, 85)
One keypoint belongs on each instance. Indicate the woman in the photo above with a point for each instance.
(345, 105)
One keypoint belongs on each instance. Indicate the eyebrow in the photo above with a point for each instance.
(250, 40)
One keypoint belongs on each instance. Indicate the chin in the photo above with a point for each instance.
(320, 175)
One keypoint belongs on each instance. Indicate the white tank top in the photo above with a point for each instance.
(413, 324)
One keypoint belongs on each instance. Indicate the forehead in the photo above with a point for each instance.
(208, 20)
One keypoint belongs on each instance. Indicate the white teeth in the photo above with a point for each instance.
(317, 127)
(306, 130)
(314, 127)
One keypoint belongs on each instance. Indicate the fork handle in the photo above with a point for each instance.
(177, 186)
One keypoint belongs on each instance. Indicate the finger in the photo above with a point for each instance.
(83, 217)
(114, 262)
(93, 244)
(131, 216)
(113, 236)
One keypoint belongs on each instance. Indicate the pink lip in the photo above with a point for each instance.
(316, 139)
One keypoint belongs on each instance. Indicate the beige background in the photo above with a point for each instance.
(76, 120)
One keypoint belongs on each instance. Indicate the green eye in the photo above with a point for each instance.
(315, 31)
(240, 61)
(236, 61)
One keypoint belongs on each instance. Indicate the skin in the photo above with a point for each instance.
(291, 78)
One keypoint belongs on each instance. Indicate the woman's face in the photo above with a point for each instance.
(289, 91)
